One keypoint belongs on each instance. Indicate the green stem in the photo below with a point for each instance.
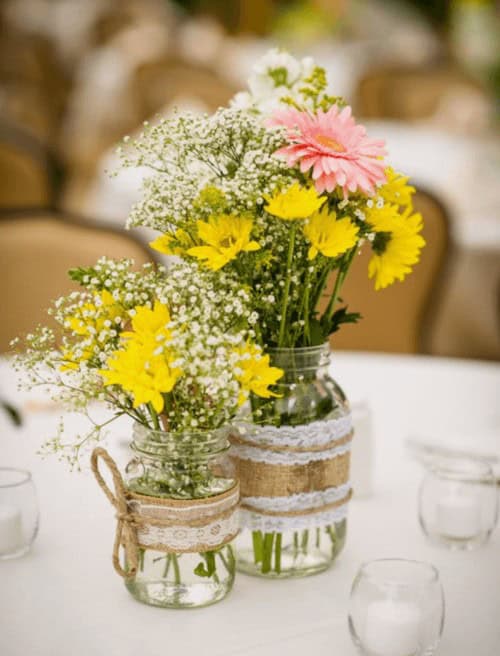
(318, 538)
(154, 417)
(305, 540)
(257, 546)
(341, 276)
(141, 559)
(211, 565)
(228, 565)
(318, 291)
(177, 569)
(286, 291)
(307, 334)
(295, 543)
(267, 552)
(277, 554)
(168, 562)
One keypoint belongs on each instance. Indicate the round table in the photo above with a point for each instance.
(65, 598)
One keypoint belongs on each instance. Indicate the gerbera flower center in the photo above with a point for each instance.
(327, 141)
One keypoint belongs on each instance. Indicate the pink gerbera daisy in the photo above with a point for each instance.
(337, 150)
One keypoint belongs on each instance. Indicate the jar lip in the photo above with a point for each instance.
(463, 469)
(298, 349)
(217, 433)
(17, 476)
(366, 570)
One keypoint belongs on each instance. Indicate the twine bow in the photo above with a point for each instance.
(126, 532)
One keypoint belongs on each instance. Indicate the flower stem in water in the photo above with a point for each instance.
(277, 554)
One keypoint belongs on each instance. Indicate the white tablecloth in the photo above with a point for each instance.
(64, 597)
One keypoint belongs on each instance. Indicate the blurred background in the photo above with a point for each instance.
(77, 75)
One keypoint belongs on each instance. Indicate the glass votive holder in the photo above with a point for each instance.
(396, 608)
(458, 503)
(18, 512)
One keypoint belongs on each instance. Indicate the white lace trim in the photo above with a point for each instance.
(256, 522)
(182, 537)
(315, 434)
(302, 501)
(187, 539)
(286, 457)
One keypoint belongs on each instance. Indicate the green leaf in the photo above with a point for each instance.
(342, 316)
(13, 413)
(200, 570)
(317, 332)
(79, 274)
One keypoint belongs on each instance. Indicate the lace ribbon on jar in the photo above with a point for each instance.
(164, 524)
(293, 477)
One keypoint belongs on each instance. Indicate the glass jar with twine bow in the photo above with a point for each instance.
(176, 516)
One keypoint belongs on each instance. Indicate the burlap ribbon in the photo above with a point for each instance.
(276, 480)
(195, 525)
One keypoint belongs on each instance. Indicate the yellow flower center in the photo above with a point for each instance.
(323, 140)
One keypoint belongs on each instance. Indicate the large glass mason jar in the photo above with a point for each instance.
(292, 460)
(184, 482)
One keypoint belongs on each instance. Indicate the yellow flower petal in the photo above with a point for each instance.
(224, 237)
(328, 235)
(296, 202)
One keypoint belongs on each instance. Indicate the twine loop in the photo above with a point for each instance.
(126, 533)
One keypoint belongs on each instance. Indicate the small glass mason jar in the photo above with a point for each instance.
(18, 512)
(181, 466)
(396, 608)
(293, 511)
(458, 503)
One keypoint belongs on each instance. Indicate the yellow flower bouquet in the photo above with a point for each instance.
(280, 191)
(157, 349)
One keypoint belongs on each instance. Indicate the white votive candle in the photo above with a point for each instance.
(392, 628)
(11, 530)
(458, 516)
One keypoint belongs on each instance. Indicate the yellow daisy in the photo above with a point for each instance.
(172, 244)
(396, 190)
(87, 323)
(296, 202)
(149, 326)
(136, 369)
(329, 236)
(396, 246)
(255, 374)
(225, 236)
(143, 366)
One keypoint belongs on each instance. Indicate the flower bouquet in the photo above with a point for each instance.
(279, 192)
(176, 354)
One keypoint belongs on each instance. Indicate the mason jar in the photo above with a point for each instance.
(292, 459)
(189, 477)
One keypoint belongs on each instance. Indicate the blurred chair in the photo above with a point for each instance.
(33, 86)
(417, 93)
(37, 248)
(155, 86)
(29, 175)
(169, 81)
(401, 317)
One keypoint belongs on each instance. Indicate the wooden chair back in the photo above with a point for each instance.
(29, 176)
(408, 93)
(399, 318)
(37, 248)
